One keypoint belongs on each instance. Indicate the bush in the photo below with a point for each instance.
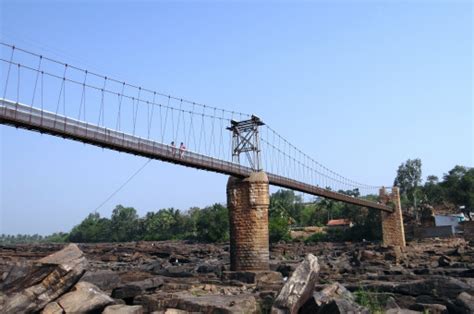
(316, 237)
(279, 229)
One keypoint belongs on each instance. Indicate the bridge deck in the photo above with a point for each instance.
(23, 116)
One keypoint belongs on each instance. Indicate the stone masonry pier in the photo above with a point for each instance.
(392, 223)
(248, 200)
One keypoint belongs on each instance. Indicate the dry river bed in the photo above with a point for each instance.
(430, 276)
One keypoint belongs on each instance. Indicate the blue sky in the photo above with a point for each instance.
(360, 86)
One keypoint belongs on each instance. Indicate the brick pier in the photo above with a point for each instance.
(392, 223)
(248, 200)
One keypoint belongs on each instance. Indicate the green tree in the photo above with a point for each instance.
(279, 229)
(433, 191)
(166, 224)
(283, 212)
(124, 224)
(92, 229)
(408, 179)
(288, 202)
(212, 224)
(458, 184)
(311, 215)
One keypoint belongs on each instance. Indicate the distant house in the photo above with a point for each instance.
(339, 224)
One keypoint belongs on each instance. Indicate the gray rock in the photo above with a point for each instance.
(252, 277)
(161, 301)
(331, 292)
(132, 289)
(123, 309)
(85, 297)
(447, 287)
(286, 269)
(48, 279)
(14, 273)
(342, 306)
(269, 280)
(242, 276)
(466, 302)
(391, 303)
(401, 311)
(176, 271)
(430, 308)
(105, 280)
(436, 288)
(333, 298)
(52, 308)
(207, 268)
(175, 311)
(297, 290)
(444, 261)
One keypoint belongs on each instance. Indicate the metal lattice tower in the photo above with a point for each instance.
(245, 139)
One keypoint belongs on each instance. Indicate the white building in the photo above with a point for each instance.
(449, 220)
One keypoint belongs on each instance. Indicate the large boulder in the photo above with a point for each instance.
(46, 280)
(299, 287)
(84, 297)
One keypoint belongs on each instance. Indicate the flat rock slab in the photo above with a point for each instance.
(105, 280)
(445, 287)
(45, 281)
(85, 297)
(210, 303)
(252, 277)
(123, 309)
(132, 289)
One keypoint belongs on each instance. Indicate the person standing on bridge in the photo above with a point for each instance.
(182, 149)
(173, 148)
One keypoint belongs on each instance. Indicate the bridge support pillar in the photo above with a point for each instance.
(392, 223)
(248, 200)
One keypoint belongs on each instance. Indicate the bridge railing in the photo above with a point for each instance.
(20, 115)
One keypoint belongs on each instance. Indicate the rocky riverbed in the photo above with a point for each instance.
(434, 276)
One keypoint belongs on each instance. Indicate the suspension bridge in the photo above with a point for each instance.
(49, 96)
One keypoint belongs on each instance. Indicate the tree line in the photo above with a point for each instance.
(454, 191)
(209, 224)
(287, 209)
